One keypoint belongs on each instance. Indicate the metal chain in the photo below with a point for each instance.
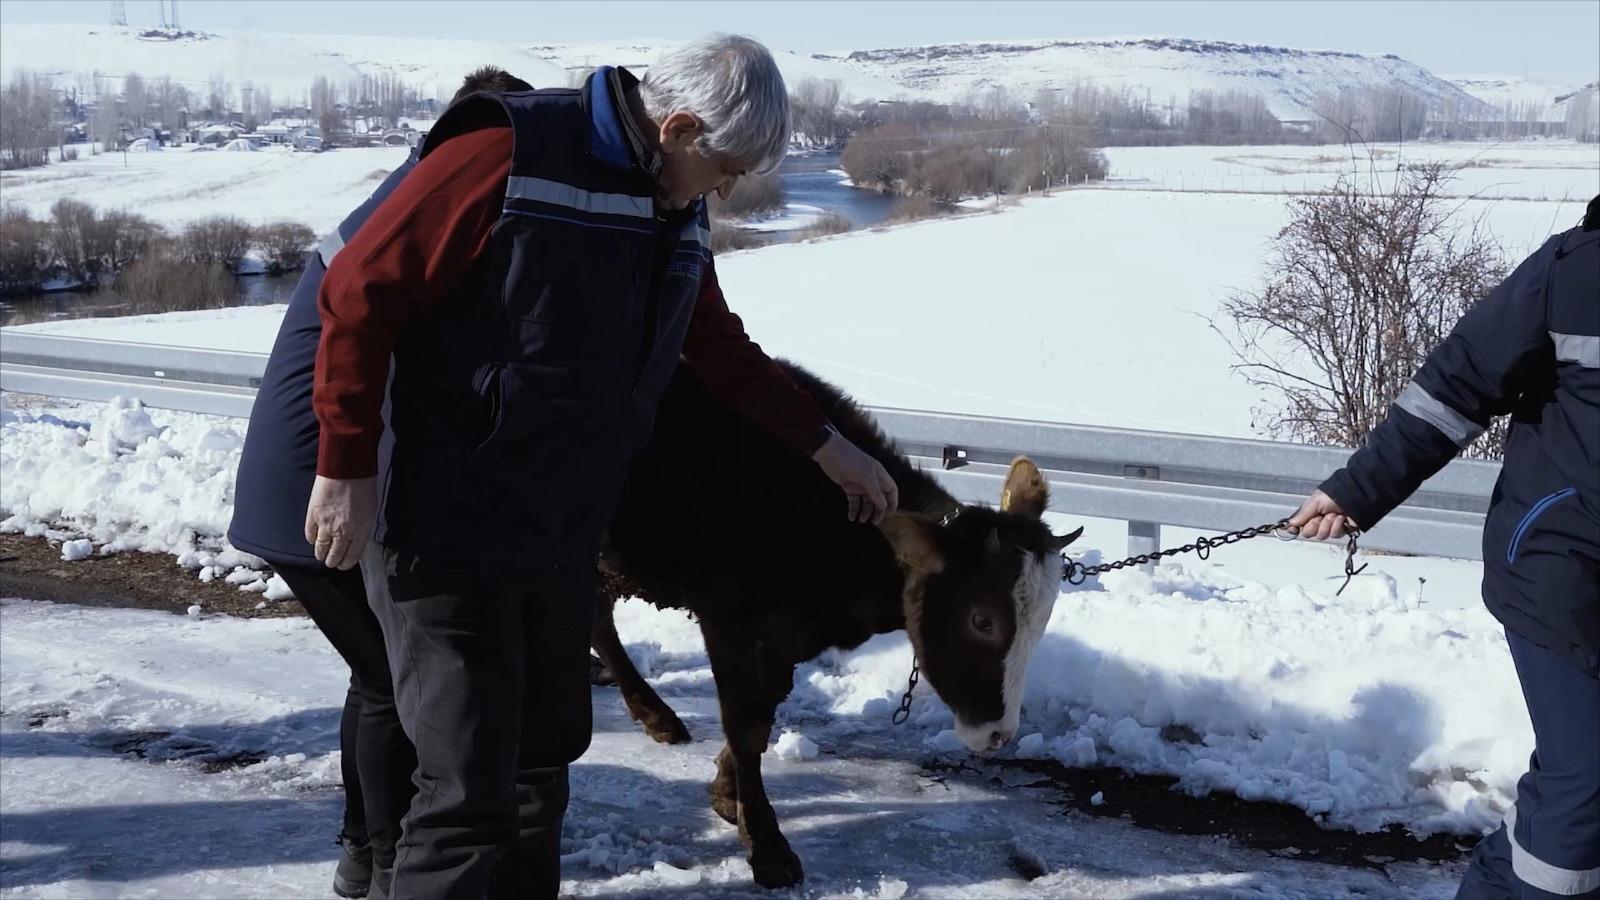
(904, 712)
(1076, 572)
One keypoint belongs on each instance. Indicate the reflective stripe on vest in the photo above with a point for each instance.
(1425, 406)
(1583, 349)
(1536, 873)
(543, 190)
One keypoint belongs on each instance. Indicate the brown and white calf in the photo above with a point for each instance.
(722, 520)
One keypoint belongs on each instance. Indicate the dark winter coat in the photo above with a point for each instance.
(1530, 350)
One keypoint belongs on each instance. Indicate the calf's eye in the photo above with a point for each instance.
(982, 623)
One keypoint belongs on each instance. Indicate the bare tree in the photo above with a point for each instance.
(325, 108)
(28, 126)
(135, 100)
(815, 103)
(1361, 285)
(223, 240)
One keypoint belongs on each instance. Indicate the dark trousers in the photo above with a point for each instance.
(376, 757)
(1549, 845)
(492, 685)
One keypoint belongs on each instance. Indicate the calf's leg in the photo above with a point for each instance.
(644, 704)
(749, 690)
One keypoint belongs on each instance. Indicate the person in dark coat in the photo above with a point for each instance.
(273, 486)
(1530, 350)
(507, 320)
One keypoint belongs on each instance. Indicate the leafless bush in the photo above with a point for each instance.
(724, 240)
(79, 241)
(126, 237)
(911, 209)
(1360, 286)
(168, 283)
(826, 224)
(284, 245)
(751, 195)
(25, 257)
(879, 158)
(69, 154)
(218, 239)
(27, 121)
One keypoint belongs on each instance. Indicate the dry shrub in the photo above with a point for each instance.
(165, 283)
(1361, 285)
(724, 240)
(911, 209)
(25, 254)
(826, 224)
(284, 245)
(752, 195)
(219, 239)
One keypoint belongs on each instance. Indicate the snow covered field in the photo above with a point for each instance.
(177, 185)
(1529, 170)
(1393, 704)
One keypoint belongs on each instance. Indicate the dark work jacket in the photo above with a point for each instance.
(1531, 349)
(279, 462)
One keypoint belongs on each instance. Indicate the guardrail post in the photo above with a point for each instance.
(1144, 537)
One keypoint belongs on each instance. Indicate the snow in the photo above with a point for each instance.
(1289, 80)
(1500, 91)
(1395, 703)
(638, 55)
(125, 482)
(794, 217)
(284, 63)
(122, 724)
(792, 746)
(72, 551)
(179, 185)
(1099, 799)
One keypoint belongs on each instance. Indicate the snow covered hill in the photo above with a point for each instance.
(1288, 79)
(1501, 91)
(283, 63)
(854, 83)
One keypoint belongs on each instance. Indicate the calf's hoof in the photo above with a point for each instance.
(776, 866)
(666, 729)
(725, 802)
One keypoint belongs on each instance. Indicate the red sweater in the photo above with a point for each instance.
(414, 250)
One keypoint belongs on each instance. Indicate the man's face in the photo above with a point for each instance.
(687, 174)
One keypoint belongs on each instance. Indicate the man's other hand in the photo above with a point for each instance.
(340, 519)
(1320, 519)
(870, 492)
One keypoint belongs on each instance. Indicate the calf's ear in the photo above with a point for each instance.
(1025, 492)
(914, 543)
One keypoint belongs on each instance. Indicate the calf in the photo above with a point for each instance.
(721, 519)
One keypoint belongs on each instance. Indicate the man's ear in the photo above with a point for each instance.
(679, 131)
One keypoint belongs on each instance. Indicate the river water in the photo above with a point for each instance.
(813, 181)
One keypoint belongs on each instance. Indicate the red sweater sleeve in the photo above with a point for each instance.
(410, 254)
(741, 375)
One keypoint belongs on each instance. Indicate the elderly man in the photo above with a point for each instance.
(534, 280)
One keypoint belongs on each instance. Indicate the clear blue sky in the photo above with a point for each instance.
(1557, 41)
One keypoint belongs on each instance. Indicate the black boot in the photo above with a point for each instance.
(353, 876)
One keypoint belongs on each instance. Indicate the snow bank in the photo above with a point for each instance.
(111, 475)
(1364, 710)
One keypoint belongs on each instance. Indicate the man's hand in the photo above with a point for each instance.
(340, 519)
(871, 492)
(1320, 519)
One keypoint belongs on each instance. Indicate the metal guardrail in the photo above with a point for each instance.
(1145, 478)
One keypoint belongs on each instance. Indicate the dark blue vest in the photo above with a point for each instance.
(279, 461)
(517, 403)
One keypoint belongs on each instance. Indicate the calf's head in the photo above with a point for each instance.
(979, 588)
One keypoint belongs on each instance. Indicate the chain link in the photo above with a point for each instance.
(1076, 572)
(904, 712)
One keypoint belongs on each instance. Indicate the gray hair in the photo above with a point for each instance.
(733, 86)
